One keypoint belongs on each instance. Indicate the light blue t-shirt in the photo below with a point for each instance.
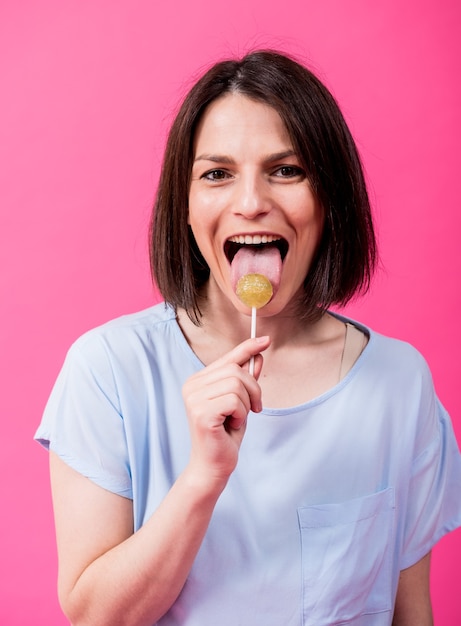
(329, 501)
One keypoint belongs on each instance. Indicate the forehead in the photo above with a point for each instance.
(234, 116)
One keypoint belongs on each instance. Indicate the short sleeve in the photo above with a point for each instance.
(434, 496)
(82, 422)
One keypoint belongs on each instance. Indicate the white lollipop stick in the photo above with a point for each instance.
(251, 368)
(255, 291)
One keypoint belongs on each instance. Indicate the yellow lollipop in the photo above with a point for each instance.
(254, 290)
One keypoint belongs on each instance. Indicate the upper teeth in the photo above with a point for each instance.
(254, 239)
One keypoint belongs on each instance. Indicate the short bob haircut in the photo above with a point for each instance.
(346, 256)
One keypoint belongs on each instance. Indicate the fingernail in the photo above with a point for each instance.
(262, 339)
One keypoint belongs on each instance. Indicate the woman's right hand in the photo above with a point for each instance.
(98, 550)
(218, 400)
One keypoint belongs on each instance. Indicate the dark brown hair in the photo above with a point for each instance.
(346, 255)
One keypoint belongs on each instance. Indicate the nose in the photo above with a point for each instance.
(252, 197)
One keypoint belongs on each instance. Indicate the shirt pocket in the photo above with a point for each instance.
(346, 559)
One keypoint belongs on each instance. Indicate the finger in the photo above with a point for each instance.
(232, 423)
(220, 411)
(213, 374)
(243, 352)
(236, 379)
(258, 365)
(234, 386)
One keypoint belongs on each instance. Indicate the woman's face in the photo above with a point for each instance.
(251, 207)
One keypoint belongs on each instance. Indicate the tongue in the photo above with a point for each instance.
(264, 260)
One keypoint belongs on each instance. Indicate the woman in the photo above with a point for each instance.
(178, 498)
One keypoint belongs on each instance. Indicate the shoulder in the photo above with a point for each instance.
(395, 380)
(127, 331)
(126, 344)
(401, 371)
(395, 374)
(122, 361)
(391, 356)
(140, 321)
(399, 378)
(397, 354)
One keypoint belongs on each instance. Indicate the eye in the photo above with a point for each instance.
(289, 171)
(216, 175)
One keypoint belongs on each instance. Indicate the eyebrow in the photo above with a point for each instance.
(218, 158)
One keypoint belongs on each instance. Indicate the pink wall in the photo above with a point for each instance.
(88, 89)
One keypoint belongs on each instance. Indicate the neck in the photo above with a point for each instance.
(223, 327)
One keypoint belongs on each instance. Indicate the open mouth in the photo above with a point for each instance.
(234, 244)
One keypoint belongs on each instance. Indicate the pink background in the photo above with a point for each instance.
(88, 90)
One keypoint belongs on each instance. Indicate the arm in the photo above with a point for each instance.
(413, 602)
(109, 575)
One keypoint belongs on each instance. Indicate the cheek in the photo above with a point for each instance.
(200, 209)
(202, 231)
(308, 219)
(313, 214)
(205, 213)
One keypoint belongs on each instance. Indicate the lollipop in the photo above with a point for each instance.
(255, 291)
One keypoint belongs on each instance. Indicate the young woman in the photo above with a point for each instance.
(188, 491)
